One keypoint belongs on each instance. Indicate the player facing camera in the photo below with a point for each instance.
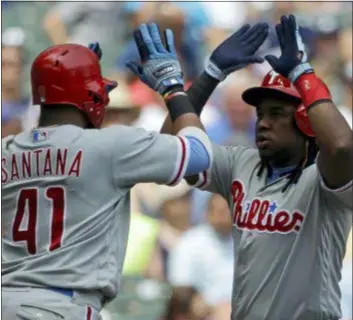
(284, 136)
(291, 206)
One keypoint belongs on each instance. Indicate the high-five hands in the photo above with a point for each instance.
(237, 51)
(159, 67)
(293, 60)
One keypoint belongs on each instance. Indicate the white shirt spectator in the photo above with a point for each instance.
(203, 260)
(89, 21)
(226, 15)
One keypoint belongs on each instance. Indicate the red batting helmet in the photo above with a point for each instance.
(71, 74)
(276, 86)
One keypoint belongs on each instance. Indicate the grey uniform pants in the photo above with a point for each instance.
(43, 304)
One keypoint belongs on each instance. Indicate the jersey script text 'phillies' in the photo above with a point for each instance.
(40, 163)
(261, 215)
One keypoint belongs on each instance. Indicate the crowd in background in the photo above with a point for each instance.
(180, 239)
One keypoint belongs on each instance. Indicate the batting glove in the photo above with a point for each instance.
(293, 61)
(159, 68)
(237, 51)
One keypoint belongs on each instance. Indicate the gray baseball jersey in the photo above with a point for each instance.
(288, 246)
(66, 201)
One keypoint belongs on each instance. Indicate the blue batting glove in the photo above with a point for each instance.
(293, 61)
(237, 51)
(95, 47)
(159, 67)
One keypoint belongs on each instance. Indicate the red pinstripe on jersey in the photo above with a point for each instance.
(89, 313)
(182, 161)
(205, 177)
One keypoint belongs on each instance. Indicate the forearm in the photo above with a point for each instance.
(334, 138)
(179, 103)
(331, 129)
(232, 54)
(185, 122)
(332, 132)
(198, 93)
(201, 90)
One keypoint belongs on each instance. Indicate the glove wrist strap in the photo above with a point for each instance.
(178, 104)
(213, 71)
(300, 69)
(312, 89)
(168, 84)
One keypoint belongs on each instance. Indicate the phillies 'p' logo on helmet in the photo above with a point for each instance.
(71, 74)
(276, 86)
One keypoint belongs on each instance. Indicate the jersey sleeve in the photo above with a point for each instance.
(339, 198)
(141, 156)
(226, 161)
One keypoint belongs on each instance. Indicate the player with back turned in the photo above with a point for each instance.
(291, 200)
(66, 184)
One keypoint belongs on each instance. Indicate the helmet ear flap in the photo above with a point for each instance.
(302, 121)
(96, 99)
(95, 108)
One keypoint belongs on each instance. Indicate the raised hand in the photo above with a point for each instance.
(292, 61)
(237, 51)
(159, 67)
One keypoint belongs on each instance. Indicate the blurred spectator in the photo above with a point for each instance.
(143, 230)
(81, 22)
(327, 63)
(345, 47)
(239, 117)
(175, 220)
(170, 207)
(345, 50)
(186, 27)
(203, 259)
(346, 106)
(27, 16)
(122, 108)
(85, 22)
(14, 104)
(127, 107)
(225, 17)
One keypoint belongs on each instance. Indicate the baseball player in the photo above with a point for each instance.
(66, 184)
(290, 199)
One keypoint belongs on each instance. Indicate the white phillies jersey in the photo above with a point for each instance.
(288, 246)
(66, 201)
